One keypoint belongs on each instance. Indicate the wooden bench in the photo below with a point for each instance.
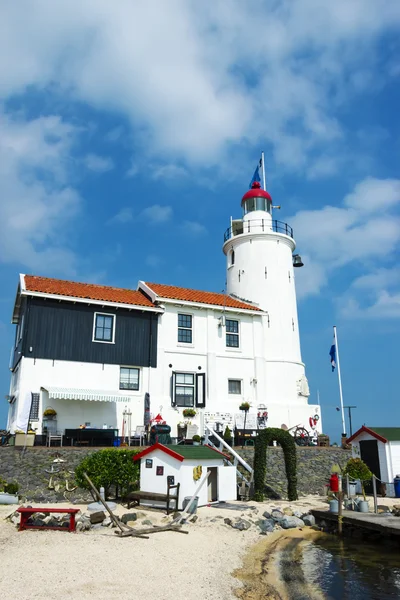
(28, 512)
(135, 497)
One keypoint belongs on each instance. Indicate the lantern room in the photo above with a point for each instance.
(256, 200)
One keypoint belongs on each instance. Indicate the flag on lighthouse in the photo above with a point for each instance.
(332, 354)
(256, 176)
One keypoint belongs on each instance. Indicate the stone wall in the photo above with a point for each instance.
(29, 470)
(313, 467)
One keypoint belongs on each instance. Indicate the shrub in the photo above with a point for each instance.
(196, 438)
(244, 406)
(260, 460)
(188, 412)
(357, 469)
(49, 412)
(11, 488)
(227, 434)
(108, 467)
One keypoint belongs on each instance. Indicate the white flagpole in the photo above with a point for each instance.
(263, 172)
(340, 379)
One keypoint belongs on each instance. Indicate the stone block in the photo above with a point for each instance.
(241, 524)
(266, 525)
(309, 520)
(291, 522)
(277, 515)
(97, 517)
(132, 516)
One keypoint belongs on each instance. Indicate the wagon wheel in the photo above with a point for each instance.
(301, 436)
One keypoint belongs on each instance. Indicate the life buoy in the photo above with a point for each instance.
(313, 421)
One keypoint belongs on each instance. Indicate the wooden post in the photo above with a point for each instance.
(375, 495)
(340, 513)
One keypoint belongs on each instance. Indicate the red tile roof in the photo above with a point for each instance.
(177, 293)
(87, 291)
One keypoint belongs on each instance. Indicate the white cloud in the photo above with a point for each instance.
(125, 215)
(193, 228)
(152, 260)
(170, 172)
(157, 213)
(98, 164)
(362, 231)
(36, 204)
(176, 70)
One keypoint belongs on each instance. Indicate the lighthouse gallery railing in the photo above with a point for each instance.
(257, 226)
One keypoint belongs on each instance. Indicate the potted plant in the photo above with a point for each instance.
(8, 492)
(24, 439)
(357, 469)
(189, 412)
(245, 406)
(196, 439)
(228, 436)
(49, 413)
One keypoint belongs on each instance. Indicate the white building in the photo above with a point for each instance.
(92, 352)
(379, 448)
(188, 466)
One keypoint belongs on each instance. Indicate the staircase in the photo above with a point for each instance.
(244, 483)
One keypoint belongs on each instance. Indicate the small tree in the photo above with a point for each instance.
(357, 469)
(110, 467)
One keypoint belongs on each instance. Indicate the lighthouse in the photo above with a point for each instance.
(260, 268)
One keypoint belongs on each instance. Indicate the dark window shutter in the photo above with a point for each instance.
(200, 390)
(173, 388)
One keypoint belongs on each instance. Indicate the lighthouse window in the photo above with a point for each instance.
(185, 330)
(232, 333)
(232, 257)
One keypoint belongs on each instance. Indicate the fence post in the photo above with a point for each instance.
(375, 496)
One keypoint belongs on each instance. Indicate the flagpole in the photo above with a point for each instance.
(263, 171)
(340, 380)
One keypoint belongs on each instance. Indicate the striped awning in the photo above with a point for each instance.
(58, 393)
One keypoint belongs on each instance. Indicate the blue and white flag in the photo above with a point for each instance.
(256, 176)
(332, 354)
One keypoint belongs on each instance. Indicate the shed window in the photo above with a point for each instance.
(232, 333)
(129, 378)
(104, 326)
(185, 329)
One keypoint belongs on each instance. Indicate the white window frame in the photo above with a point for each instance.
(241, 386)
(139, 378)
(101, 314)
(185, 344)
(232, 348)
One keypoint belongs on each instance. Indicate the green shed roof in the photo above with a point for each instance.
(392, 434)
(196, 452)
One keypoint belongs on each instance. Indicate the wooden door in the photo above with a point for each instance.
(369, 454)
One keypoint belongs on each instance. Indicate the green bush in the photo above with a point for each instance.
(227, 434)
(357, 469)
(287, 442)
(11, 488)
(108, 467)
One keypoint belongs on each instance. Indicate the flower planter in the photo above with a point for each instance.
(363, 506)
(20, 439)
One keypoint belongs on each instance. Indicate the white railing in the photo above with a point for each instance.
(237, 457)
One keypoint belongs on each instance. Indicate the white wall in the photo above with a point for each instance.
(394, 459)
(183, 473)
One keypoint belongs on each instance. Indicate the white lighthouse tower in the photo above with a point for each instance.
(260, 263)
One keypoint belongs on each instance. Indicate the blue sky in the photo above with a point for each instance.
(128, 136)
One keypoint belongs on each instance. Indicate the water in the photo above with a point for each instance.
(345, 569)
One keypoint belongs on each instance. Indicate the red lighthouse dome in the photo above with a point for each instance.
(256, 199)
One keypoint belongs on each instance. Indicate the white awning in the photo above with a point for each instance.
(58, 393)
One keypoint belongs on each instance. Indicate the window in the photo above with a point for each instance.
(232, 333)
(185, 333)
(184, 389)
(103, 328)
(232, 257)
(234, 386)
(129, 378)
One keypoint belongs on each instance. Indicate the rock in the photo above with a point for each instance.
(241, 524)
(129, 517)
(288, 511)
(396, 506)
(131, 523)
(97, 526)
(15, 519)
(316, 527)
(107, 522)
(277, 515)
(141, 515)
(176, 515)
(291, 522)
(382, 508)
(267, 514)
(228, 521)
(266, 525)
(147, 522)
(193, 519)
(97, 517)
(298, 514)
(309, 520)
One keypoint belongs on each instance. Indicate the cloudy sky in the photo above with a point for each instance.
(129, 132)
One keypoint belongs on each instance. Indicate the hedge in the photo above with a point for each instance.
(108, 467)
(284, 439)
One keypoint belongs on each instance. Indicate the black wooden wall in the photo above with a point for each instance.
(64, 331)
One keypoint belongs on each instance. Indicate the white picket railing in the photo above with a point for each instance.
(236, 456)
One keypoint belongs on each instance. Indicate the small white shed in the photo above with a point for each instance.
(188, 466)
(379, 448)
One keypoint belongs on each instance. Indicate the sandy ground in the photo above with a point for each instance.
(199, 566)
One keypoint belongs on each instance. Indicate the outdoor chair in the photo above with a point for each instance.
(55, 436)
(139, 436)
